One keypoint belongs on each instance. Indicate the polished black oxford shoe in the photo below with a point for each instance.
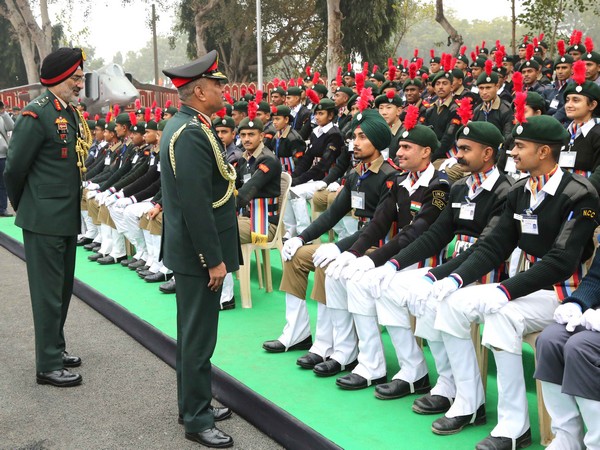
(400, 388)
(432, 404)
(219, 413)
(59, 378)
(277, 347)
(331, 367)
(95, 256)
(505, 443)
(136, 265)
(92, 246)
(213, 438)
(126, 262)
(354, 382)
(70, 361)
(452, 425)
(168, 287)
(309, 360)
(145, 273)
(84, 241)
(158, 277)
(229, 304)
(108, 260)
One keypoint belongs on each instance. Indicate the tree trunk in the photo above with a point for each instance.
(558, 18)
(455, 39)
(334, 38)
(201, 25)
(514, 27)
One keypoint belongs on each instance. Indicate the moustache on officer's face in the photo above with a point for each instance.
(461, 161)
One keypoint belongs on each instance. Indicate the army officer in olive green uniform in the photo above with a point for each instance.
(200, 237)
(43, 184)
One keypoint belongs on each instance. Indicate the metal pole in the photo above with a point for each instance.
(259, 66)
(154, 44)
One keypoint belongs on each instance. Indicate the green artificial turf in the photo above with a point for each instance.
(351, 419)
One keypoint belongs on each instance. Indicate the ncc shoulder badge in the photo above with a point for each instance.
(439, 199)
(588, 213)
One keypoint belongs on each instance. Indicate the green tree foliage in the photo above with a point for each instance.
(13, 69)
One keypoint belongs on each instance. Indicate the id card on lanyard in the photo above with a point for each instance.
(467, 210)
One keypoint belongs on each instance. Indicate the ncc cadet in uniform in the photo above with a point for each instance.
(412, 90)
(563, 70)
(258, 188)
(170, 110)
(277, 95)
(550, 215)
(390, 108)
(300, 113)
(416, 199)
(566, 364)
(49, 142)
(493, 109)
(531, 76)
(199, 242)
(287, 144)
(264, 114)
(363, 189)
(592, 62)
(341, 97)
(225, 128)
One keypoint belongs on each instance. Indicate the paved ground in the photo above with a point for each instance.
(128, 396)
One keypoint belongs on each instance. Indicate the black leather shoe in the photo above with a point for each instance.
(70, 361)
(168, 287)
(309, 360)
(145, 273)
(229, 304)
(158, 277)
(95, 256)
(126, 262)
(136, 265)
(354, 382)
(6, 214)
(143, 269)
(218, 413)
(504, 443)
(277, 347)
(452, 425)
(432, 404)
(213, 437)
(331, 367)
(108, 260)
(92, 246)
(59, 378)
(84, 241)
(401, 388)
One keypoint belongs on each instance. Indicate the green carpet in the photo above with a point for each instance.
(353, 420)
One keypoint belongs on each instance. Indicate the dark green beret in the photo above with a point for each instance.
(294, 90)
(151, 125)
(162, 124)
(484, 51)
(588, 88)
(325, 104)
(91, 124)
(509, 59)
(345, 90)
(375, 128)
(100, 123)
(320, 89)
(241, 106)
(171, 110)
(60, 65)
(283, 111)
(264, 107)
(249, 97)
(352, 100)
(423, 70)
(536, 101)
(373, 86)
(442, 74)
(254, 124)
(349, 73)
(224, 122)
(483, 132)
(378, 76)
(421, 135)
(228, 108)
(139, 127)
(564, 59)
(413, 82)
(463, 58)
(435, 59)
(142, 110)
(484, 78)
(541, 129)
(531, 63)
(123, 119)
(396, 100)
(457, 73)
(591, 56)
(479, 62)
(389, 84)
(110, 126)
(278, 90)
(501, 71)
(577, 48)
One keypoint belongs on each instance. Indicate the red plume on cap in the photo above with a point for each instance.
(517, 80)
(259, 96)
(97, 117)
(273, 109)
(292, 82)
(474, 56)
(390, 94)
(541, 37)
(520, 102)
(535, 42)
(589, 44)
(360, 81)
(366, 96)
(476, 50)
(147, 115)
(243, 91)
(412, 117)
(221, 113)
(116, 110)
(276, 82)
(488, 67)
(529, 52)
(168, 103)
(108, 116)
(390, 62)
(412, 71)
(482, 44)
(432, 53)
(338, 77)
(425, 77)
(365, 69)
(86, 115)
(312, 96)
(316, 77)
(497, 44)
(416, 53)
(158, 114)
(560, 45)
(448, 63)
(375, 68)
(391, 72)
(419, 63)
(463, 49)
(283, 85)
(299, 81)
(525, 39)
(308, 71)
(573, 37)
(138, 103)
(228, 98)
(465, 110)
(579, 72)
(499, 56)
(153, 105)
(252, 108)
(251, 89)
(406, 63)
(349, 67)
(400, 61)
(132, 118)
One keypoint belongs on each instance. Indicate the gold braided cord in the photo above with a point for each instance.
(226, 170)
(83, 144)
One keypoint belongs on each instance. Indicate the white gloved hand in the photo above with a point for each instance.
(569, 314)
(325, 254)
(334, 269)
(591, 319)
(444, 287)
(91, 194)
(418, 294)
(494, 301)
(123, 202)
(357, 268)
(102, 197)
(380, 278)
(320, 185)
(333, 187)
(113, 199)
(290, 247)
(92, 186)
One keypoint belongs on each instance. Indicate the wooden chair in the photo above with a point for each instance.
(277, 242)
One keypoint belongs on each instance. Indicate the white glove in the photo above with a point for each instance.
(91, 194)
(494, 301)
(357, 268)
(591, 319)
(320, 185)
(418, 295)
(92, 186)
(290, 247)
(569, 314)
(333, 186)
(380, 278)
(443, 288)
(112, 199)
(325, 254)
(102, 197)
(334, 269)
(123, 202)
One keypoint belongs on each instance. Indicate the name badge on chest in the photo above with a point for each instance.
(467, 211)
(554, 104)
(135, 158)
(357, 199)
(246, 177)
(107, 160)
(567, 159)
(529, 224)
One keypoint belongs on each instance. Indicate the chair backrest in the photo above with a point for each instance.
(285, 183)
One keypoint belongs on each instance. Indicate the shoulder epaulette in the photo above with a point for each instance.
(391, 162)
(29, 113)
(443, 177)
(194, 122)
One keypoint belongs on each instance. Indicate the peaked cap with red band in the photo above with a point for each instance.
(60, 65)
(205, 67)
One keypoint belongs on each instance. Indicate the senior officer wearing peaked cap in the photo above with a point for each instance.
(200, 238)
(43, 184)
